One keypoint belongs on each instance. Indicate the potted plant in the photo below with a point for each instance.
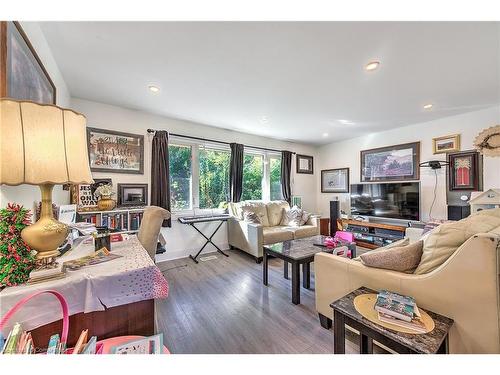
(103, 195)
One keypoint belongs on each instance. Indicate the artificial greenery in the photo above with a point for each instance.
(16, 259)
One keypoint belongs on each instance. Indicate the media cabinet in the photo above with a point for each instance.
(367, 234)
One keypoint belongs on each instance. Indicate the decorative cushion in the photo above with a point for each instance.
(402, 259)
(292, 217)
(444, 240)
(275, 212)
(251, 217)
(305, 217)
(258, 208)
(276, 234)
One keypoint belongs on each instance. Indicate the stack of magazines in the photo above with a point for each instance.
(399, 310)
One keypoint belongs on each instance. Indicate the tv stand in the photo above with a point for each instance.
(373, 235)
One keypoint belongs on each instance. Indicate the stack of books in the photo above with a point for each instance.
(20, 342)
(399, 310)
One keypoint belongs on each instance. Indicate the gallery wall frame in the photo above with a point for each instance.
(391, 163)
(335, 180)
(22, 73)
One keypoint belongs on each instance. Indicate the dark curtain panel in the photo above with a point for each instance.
(236, 172)
(286, 171)
(160, 174)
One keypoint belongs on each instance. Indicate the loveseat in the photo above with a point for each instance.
(250, 237)
(464, 287)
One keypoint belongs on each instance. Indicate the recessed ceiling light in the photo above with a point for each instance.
(428, 106)
(372, 65)
(264, 120)
(346, 122)
(325, 135)
(153, 88)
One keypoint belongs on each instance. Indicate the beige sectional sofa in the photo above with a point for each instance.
(250, 237)
(464, 287)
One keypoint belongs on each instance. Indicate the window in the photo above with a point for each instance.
(253, 174)
(214, 177)
(180, 176)
(275, 178)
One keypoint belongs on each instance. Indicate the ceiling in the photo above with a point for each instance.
(295, 81)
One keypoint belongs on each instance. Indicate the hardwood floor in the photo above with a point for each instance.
(221, 306)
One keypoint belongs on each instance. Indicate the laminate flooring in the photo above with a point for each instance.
(221, 306)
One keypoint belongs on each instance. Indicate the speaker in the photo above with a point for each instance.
(334, 216)
(458, 212)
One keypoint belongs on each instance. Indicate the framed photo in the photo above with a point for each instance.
(132, 195)
(465, 171)
(83, 195)
(304, 164)
(445, 144)
(398, 162)
(115, 152)
(22, 74)
(335, 180)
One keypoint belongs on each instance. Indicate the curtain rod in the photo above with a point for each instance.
(215, 141)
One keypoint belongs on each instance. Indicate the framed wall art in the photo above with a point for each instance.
(445, 144)
(465, 171)
(132, 195)
(335, 180)
(304, 164)
(22, 74)
(398, 163)
(115, 152)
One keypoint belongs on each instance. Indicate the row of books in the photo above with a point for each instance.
(399, 310)
(118, 221)
(20, 342)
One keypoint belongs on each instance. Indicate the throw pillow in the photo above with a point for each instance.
(305, 217)
(292, 217)
(251, 217)
(402, 259)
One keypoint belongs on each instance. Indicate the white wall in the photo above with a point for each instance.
(26, 194)
(181, 239)
(347, 154)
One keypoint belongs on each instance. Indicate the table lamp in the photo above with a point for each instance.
(43, 145)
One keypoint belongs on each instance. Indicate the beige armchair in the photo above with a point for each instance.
(465, 288)
(150, 228)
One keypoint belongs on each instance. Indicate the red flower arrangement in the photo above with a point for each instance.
(16, 258)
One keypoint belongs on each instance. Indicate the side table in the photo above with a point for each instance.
(344, 313)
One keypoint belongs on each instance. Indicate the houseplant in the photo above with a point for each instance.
(103, 195)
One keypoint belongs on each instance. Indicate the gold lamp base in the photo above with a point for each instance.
(47, 234)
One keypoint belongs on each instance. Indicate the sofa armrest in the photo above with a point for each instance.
(313, 220)
(245, 236)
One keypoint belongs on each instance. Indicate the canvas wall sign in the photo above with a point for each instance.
(398, 162)
(115, 152)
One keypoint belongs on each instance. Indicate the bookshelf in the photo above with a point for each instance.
(120, 220)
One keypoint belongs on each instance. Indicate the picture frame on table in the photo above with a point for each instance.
(445, 144)
(335, 180)
(83, 194)
(115, 152)
(132, 195)
(22, 73)
(465, 171)
(391, 163)
(304, 164)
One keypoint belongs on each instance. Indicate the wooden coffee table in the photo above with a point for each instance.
(344, 313)
(297, 252)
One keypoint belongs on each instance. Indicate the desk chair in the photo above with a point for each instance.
(150, 228)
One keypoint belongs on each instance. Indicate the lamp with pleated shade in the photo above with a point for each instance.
(43, 145)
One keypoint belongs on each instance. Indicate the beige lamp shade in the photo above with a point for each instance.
(42, 144)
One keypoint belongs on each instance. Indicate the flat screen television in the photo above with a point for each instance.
(397, 200)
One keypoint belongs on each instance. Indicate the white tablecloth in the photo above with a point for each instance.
(132, 278)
